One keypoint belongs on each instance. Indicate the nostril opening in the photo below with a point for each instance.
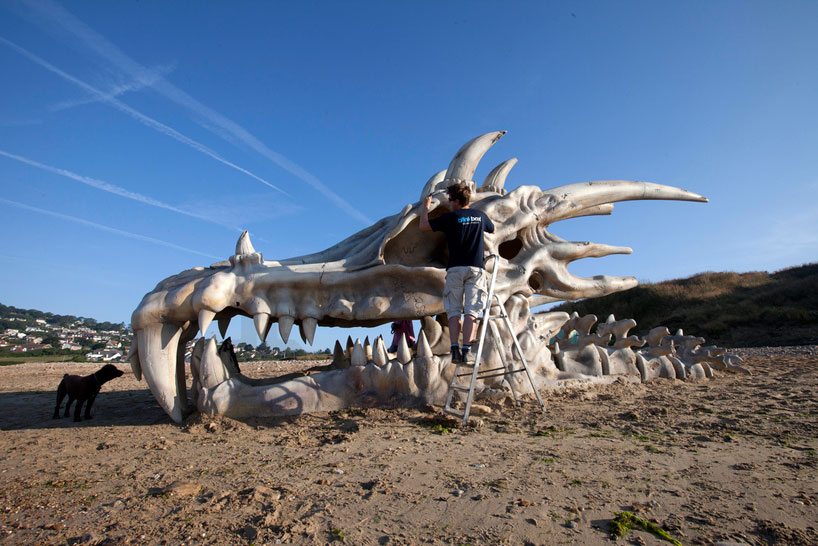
(510, 249)
(535, 282)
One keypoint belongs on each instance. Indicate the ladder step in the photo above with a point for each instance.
(500, 374)
(481, 371)
(454, 412)
(461, 389)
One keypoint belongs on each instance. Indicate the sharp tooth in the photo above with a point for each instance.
(285, 325)
(307, 329)
(213, 372)
(423, 349)
(350, 345)
(205, 318)
(196, 357)
(339, 358)
(195, 369)
(224, 322)
(262, 322)
(358, 357)
(404, 354)
(380, 357)
(368, 349)
(133, 358)
(158, 345)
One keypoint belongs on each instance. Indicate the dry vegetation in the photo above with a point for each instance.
(728, 309)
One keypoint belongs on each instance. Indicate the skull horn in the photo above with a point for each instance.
(497, 177)
(591, 194)
(465, 161)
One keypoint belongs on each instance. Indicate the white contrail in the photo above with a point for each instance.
(106, 228)
(217, 123)
(142, 118)
(115, 92)
(111, 188)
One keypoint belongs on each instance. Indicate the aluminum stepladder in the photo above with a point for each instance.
(487, 320)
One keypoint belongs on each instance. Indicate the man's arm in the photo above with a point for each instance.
(424, 214)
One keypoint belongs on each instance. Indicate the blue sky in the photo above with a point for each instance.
(137, 139)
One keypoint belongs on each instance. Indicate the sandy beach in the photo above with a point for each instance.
(731, 460)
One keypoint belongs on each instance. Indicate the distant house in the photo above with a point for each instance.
(28, 347)
(106, 355)
(70, 346)
(40, 321)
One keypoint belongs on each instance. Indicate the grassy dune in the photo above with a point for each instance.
(732, 309)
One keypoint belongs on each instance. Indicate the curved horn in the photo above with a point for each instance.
(591, 194)
(497, 177)
(465, 161)
(430, 185)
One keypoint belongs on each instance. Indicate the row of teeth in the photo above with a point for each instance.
(358, 354)
(263, 322)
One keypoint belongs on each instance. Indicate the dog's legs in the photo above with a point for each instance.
(68, 406)
(60, 396)
(88, 405)
(78, 410)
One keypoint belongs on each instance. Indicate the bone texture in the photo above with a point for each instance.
(394, 271)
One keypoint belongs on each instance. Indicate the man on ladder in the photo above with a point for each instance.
(465, 288)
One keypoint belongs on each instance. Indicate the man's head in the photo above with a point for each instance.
(459, 195)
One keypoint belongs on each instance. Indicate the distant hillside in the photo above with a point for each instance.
(12, 317)
(728, 309)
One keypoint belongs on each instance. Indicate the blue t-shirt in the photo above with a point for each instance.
(464, 233)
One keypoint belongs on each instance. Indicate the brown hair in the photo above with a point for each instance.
(459, 192)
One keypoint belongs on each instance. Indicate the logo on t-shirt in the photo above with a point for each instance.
(469, 219)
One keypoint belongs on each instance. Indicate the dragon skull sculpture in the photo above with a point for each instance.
(388, 271)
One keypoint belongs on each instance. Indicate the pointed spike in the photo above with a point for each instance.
(213, 372)
(205, 318)
(368, 349)
(465, 161)
(350, 344)
(404, 354)
(338, 354)
(497, 177)
(307, 329)
(285, 325)
(423, 348)
(611, 319)
(224, 323)
(432, 184)
(358, 357)
(243, 245)
(262, 322)
(133, 358)
(379, 356)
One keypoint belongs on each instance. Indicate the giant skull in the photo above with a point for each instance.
(388, 271)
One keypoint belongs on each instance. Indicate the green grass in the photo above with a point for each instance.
(21, 359)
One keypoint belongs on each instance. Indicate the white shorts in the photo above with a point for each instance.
(465, 291)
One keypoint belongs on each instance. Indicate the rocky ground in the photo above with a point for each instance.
(731, 460)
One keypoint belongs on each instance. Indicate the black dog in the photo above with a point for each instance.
(83, 388)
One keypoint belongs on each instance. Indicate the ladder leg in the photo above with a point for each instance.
(498, 341)
(522, 359)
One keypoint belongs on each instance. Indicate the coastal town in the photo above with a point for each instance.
(32, 333)
(21, 332)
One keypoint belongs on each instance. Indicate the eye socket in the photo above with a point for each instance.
(510, 249)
